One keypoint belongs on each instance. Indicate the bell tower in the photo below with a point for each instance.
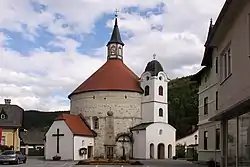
(115, 44)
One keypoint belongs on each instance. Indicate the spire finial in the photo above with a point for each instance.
(116, 13)
(154, 55)
(211, 21)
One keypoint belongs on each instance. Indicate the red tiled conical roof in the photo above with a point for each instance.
(114, 75)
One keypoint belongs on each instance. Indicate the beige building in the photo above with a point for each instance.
(228, 53)
(209, 132)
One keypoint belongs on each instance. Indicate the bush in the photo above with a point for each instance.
(56, 158)
(180, 151)
(4, 147)
(174, 157)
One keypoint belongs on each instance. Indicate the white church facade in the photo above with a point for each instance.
(127, 115)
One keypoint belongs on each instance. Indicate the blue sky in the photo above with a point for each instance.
(48, 49)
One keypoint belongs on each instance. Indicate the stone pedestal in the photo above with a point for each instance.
(109, 141)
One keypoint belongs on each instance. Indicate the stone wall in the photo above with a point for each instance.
(126, 107)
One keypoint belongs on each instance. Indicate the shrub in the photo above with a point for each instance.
(56, 158)
(4, 147)
(180, 151)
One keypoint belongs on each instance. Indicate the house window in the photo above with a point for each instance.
(216, 100)
(146, 90)
(96, 122)
(205, 140)
(229, 61)
(160, 90)
(216, 65)
(160, 112)
(205, 105)
(3, 140)
(217, 142)
(226, 63)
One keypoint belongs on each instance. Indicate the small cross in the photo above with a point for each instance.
(154, 55)
(116, 12)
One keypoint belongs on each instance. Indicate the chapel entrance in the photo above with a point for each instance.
(169, 151)
(90, 151)
(151, 148)
(161, 151)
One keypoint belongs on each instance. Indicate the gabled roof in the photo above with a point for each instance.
(114, 75)
(141, 126)
(13, 116)
(76, 124)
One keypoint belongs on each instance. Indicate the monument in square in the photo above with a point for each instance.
(115, 114)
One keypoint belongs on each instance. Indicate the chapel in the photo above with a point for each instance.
(116, 114)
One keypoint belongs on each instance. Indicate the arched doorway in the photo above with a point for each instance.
(151, 152)
(161, 151)
(169, 151)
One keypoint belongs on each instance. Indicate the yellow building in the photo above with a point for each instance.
(11, 118)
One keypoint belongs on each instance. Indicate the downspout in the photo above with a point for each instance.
(14, 140)
(132, 144)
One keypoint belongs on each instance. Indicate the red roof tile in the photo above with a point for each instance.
(77, 124)
(113, 75)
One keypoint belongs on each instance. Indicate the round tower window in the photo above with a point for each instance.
(160, 78)
(147, 78)
(160, 132)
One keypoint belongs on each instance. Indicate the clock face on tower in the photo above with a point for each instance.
(113, 50)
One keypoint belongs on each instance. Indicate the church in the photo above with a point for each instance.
(115, 114)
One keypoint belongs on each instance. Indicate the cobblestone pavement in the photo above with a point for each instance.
(36, 162)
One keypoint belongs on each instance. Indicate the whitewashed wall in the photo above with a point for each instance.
(167, 137)
(78, 143)
(65, 142)
(125, 105)
(188, 140)
(139, 149)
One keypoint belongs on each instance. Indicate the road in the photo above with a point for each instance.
(36, 162)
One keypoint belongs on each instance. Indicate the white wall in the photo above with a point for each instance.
(139, 149)
(153, 102)
(78, 143)
(188, 140)
(167, 137)
(65, 142)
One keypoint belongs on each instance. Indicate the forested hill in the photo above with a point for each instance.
(183, 109)
(183, 105)
(40, 120)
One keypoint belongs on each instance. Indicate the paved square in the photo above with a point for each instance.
(38, 162)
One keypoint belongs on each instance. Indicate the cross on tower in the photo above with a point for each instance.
(116, 12)
(154, 55)
(57, 135)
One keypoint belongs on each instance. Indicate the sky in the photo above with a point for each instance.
(49, 47)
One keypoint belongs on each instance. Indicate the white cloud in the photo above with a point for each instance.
(43, 79)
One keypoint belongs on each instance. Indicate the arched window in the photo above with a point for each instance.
(160, 90)
(160, 112)
(96, 122)
(146, 90)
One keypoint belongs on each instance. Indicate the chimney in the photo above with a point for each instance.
(7, 101)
